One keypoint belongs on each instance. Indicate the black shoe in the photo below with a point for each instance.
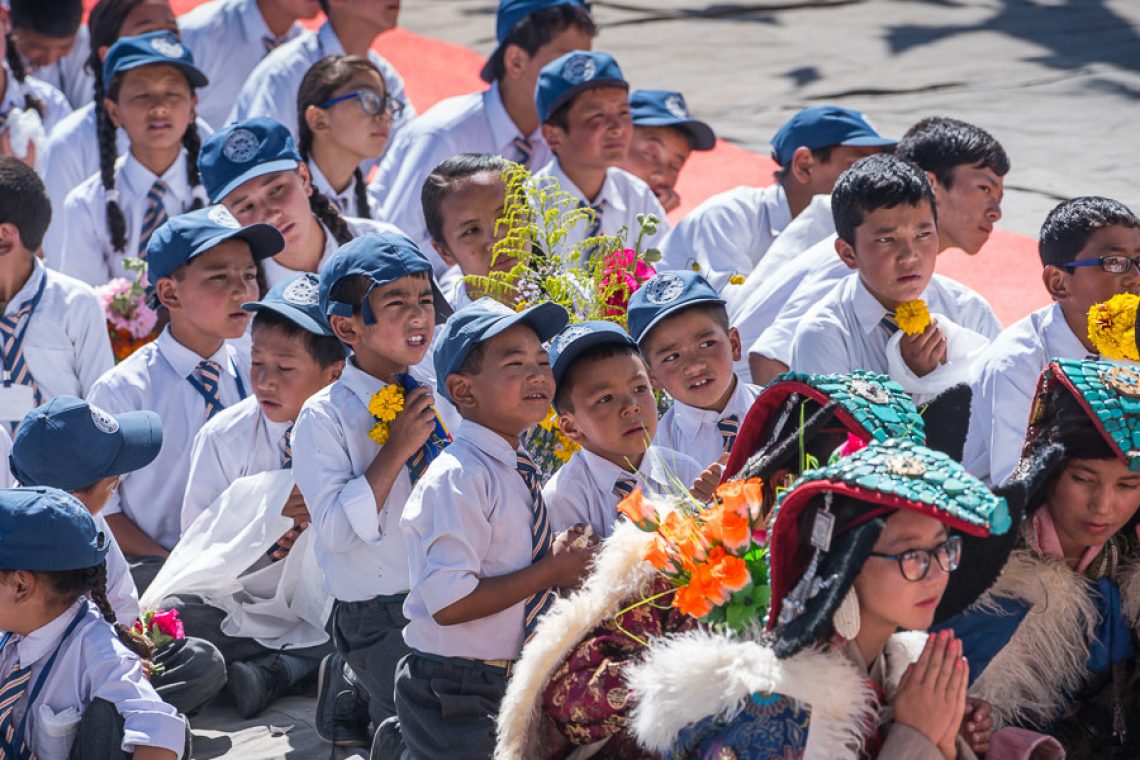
(253, 685)
(388, 744)
(342, 706)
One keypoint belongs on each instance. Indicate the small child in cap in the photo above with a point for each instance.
(79, 448)
(681, 325)
(605, 404)
(203, 267)
(664, 135)
(71, 677)
(482, 552)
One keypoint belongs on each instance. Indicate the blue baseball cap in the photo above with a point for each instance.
(146, 49)
(570, 74)
(662, 295)
(298, 300)
(666, 108)
(510, 13)
(382, 257)
(483, 320)
(185, 236)
(824, 126)
(47, 529)
(569, 344)
(245, 150)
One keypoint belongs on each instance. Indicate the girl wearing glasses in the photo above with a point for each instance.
(1053, 642)
(858, 550)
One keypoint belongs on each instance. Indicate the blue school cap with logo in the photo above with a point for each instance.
(823, 126)
(243, 151)
(382, 257)
(510, 13)
(46, 529)
(566, 76)
(663, 295)
(666, 108)
(569, 344)
(185, 236)
(70, 444)
(151, 48)
(298, 300)
(483, 320)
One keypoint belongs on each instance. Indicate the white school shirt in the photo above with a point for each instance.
(54, 102)
(87, 252)
(582, 491)
(122, 593)
(69, 74)
(844, 331)
(468, 518)
(7, 480)
(92, 664)
(66, 346)
(345, 202)
(275, 272)
(238, 441)
(728, 234)
(1004, 386)
(625, 197)
(271, 88)
(228, 40)
(155, 378)
(693, 430)
(473, 123)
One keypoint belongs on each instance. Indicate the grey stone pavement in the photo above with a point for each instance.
(1056, 81)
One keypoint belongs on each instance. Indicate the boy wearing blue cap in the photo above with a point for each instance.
(664, 135)
(681, 325)
(70, 678)
(606, 405)
(481, 557)
(359, 446)
(203, 267)
(730, 233)
(54, 339)
(500, 120)
(583, 103)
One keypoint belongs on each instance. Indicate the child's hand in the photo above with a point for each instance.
(6, 150)
(413, 425)
(296, 509)
(925, 351)
(931, 697)
(567, 564)
(706, 482)
(978, 727)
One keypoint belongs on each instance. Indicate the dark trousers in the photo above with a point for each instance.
(369, 635)
(144, 570)
(447, 707)
(193, 674)
(100, 734)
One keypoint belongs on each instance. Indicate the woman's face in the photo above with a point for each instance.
(277, 198)
(349, 127)
(1091, 500)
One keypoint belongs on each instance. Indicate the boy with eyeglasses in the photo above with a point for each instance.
(1090, 250)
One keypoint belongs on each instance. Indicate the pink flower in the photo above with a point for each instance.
(852, 444)
(619, 282)
(167, 622)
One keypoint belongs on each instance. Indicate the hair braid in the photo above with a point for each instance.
(362, 210)
(16, 64)
(328, 215)
(116, 222)
(97, 593)
(192, 142)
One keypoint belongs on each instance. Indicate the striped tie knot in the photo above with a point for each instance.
(154, 216)
(16, 369)
(11, 691)
(728, 426)
(210, 373)
(523, 149)
(623, 487)
(888, 321)
(595, 227)
(287, 448)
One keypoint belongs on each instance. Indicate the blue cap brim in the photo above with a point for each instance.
(264, 241)
(269, 167)
(547, 319)
(293, 314)
(583, 344)
(870, 141)
(673, 309)
(193, 74)
(701, 133)
(593, 84)
(141, 440)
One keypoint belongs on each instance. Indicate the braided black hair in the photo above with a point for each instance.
(327, 214)
(359, 190)
(16, 64)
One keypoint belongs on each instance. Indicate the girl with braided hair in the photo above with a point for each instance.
(71, 676)
(18, 90)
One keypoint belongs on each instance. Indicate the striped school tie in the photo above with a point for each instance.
(155, 215)
(11, 691)
(728, 427)
(287, 448)
(595, 227)
(888, 321)
(17, 368)
(523, 149)
(623, 487)
(438, 440)
(281, 546)
(211, 375)
(536, 604)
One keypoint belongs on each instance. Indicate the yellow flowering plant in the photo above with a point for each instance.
(1112, 327)
(912, 317)
(384, 405)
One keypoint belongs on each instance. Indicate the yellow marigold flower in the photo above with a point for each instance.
(912, 317)
(564, 449)
(386, 403)
(1112, 327)
(736, 279)
(550, 422)
(521, 306)
(379, 433)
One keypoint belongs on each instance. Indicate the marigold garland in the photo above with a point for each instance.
(384, 405)
(1112, 327)
(912, 317)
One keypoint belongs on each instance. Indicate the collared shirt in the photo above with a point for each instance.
(728, 234)
(1004, 387)
(345, 201)
(271, 88)
(474, 123)
(72, 155)
(7, 480)
(69, 74)
(238, 441)
(275, 272)
(694, 430)
(468, 518)
(92, 664)
(122, 593)
(844, 331)
(87, 252)
(16, 94)
(582, 491)
(228, 40)
(66, 346)
(156, 377)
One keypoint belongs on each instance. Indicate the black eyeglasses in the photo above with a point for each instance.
(370, 102)
(1110, 264)
(914, 564)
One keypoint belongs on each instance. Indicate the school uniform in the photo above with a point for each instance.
(473, 123)
(163, 376)
(121, 591)
(1004, 387)
(55, 105)
(90, 664)
(587, 488)
(228, 39)
(69, 74)
(275, 272)
(622, 198)
(345, 200)
(845, 331)
(87, 252)
(704, 434)
(6, 478)
(271, 88)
